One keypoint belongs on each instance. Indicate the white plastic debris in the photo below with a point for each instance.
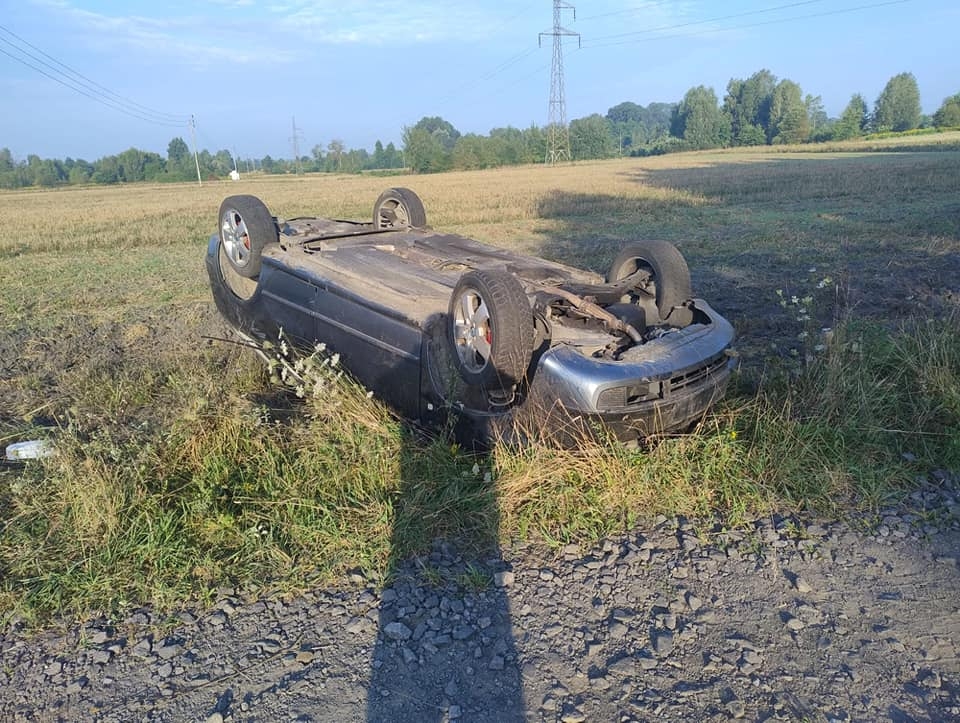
(32, 449)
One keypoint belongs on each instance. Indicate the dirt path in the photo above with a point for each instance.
(793, 619)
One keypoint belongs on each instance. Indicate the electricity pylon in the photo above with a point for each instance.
(558, 135)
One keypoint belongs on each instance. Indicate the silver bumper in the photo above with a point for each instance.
(682, 363)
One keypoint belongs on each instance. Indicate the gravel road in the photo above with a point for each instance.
(793, 619)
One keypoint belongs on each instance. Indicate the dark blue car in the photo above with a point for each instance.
(438, 324)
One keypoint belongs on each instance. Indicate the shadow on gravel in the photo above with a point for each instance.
(445, 646)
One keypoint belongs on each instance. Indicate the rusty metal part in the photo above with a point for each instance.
(596, 311)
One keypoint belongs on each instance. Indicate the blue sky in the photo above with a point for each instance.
(360, 71)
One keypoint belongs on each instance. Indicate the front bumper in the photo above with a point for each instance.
(664, 384)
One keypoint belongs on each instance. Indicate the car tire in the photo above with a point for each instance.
(399, 208)
(491, 329)
(246, 227)
(671, 277)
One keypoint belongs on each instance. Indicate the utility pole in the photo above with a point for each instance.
(196, 158)
(295, 140)
(558, 135)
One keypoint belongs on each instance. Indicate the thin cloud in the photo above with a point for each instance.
(379, 23)
(187, 39)
(273, 32)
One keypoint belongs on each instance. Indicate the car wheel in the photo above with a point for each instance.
(491, 329)
(246, 226)
(670, 275)
(399, 208)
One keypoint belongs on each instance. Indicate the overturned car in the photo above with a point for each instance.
(439, 324)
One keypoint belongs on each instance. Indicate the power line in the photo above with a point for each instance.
(645, 6)
(809, 16)
(709, 20)
(79, 83)
(89, 95)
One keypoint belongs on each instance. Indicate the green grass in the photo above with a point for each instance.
(180, 467)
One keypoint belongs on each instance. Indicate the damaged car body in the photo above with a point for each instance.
(438, 324)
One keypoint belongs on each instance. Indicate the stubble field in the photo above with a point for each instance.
(179, 468)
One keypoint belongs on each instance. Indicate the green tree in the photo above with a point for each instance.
(747, 104)
(79, 174)
(106, 170)
(136, 165)
(948, 115)
(316, 155)
(817, 116)
(440, 129)
(336, 150)
(898, 107)
(378, 155)
(508, 146)
(6, 160)
(854, 119)
(699, 121)
(789, 122)
(626, 112)
(425, 150)
(469, 152)
(633, 126)
(179, 160)
(178, 152)
(222, 163)
(392, 158)
(590, 137)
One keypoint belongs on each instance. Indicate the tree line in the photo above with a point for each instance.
(759, 110)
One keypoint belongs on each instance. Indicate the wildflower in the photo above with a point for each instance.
(733, 434)
(335, 359)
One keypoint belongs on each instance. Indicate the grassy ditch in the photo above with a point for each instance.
(242, 492)
(180, 466)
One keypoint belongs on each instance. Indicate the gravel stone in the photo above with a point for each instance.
(662, 642)
(397, 631)
(645, 626)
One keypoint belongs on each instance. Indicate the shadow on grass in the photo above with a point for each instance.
(445, 643)
(882, 230)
